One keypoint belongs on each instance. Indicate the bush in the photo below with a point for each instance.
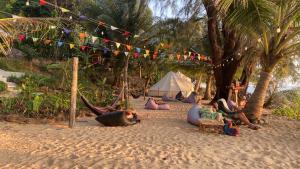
(3, 86)
(291, 110)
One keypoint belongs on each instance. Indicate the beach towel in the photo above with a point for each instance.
(193, 115)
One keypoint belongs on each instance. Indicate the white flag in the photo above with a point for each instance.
(185, 57)
(94, 39)
(118, 45)
(52, 27)
(126, 53)
(35, 39)
(113, 28)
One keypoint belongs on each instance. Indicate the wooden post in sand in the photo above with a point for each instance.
(73, 93)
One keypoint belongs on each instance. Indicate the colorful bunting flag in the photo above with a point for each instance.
(35, 39)
(52, 27)
(113, 28)
(94, 38)
(22, 37)
(145, 55)
(147, 52)
(138, 50)
(82, 35)
(128, 47)
(193, 56)
(105, 40)
(42, 2)
(60, 43)
(72, 46)
(185, 57)
(190, 53)
(199, 57)
(83, 48)
(116, 52)
(136, 54)
(64, 10)
(118, 45)
(162, 44)
(105, 50)
(178, 56)
(47, 42)
(126, 33)
(66, 31)
(126, 53)
(83, 17)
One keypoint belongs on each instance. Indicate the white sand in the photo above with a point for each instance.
(162, 140)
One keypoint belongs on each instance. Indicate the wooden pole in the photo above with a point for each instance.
(73, 93)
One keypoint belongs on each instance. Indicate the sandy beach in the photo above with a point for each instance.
(162, 140)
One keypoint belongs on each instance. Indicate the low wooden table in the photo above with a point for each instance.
(211, 126)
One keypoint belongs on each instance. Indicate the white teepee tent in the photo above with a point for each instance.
(171, 84)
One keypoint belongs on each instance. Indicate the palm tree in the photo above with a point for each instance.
(130, 15)
(275, 24)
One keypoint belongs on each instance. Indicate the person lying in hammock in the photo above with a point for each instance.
(236, 115)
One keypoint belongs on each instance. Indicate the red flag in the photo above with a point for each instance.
(106, 40)
(126, 33)
(136, 55)
(83, 48)
(22, 38)
(42, 2)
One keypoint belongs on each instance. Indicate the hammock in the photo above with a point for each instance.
(109, 116)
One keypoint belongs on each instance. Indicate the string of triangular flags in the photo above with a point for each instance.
(125, 33)
(126, 49)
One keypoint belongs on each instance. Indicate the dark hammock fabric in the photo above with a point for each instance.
(115, 118)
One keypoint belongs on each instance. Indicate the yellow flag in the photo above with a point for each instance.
(72, 46)
(147, 52)
(64, 10)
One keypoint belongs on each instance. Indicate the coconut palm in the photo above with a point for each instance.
(275, 24)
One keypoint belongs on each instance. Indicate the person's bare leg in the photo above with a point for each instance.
(244, 119)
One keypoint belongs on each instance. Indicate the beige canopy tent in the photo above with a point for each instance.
(171, 84)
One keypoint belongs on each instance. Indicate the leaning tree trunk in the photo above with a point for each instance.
(207, 95)
(198, 83)
(255, 104)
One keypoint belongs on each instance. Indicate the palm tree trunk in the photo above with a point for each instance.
(207, 95)
(255, 104)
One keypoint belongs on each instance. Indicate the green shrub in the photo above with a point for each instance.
(3, 86)
(292, 110)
